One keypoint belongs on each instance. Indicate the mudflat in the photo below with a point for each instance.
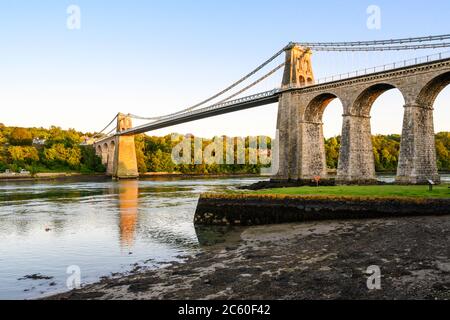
(314, 260)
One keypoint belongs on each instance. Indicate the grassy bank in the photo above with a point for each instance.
(388, 191)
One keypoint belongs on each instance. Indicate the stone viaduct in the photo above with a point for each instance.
(300, 112)
(302, 151)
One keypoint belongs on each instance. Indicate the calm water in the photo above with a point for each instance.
(103, 227)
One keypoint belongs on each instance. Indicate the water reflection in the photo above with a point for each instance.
(213, 235)
(128, 210)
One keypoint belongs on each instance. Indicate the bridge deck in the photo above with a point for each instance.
(268, 98)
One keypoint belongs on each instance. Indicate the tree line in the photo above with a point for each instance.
(386, 149)
(61, 151)
(56, 151)
(154, 154)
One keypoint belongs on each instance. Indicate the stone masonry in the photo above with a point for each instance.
(300, 113)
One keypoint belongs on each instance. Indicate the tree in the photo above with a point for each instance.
(141, 158)
(69, 138)
(23, 155)
(3, 139)
(443, 150)
(332, 152)
(21, 137)
(90, 162)
(58, 154)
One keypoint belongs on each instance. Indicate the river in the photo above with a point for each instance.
(98, 227)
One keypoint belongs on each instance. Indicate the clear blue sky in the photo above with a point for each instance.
(154, 57)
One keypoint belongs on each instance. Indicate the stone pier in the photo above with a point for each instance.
(417, 162)
(356, 159)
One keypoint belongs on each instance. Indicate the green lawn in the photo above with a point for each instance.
(441, 191)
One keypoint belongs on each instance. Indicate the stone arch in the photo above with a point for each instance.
(316, 107)
(111, 157)
(365, 100)
(309, 81)
(313, 153)
(431, 90)
(124, 123)
(98, 151)
(105, 154)
(356, 157)
(301, 81)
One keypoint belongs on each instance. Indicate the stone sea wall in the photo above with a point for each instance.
(247, 210)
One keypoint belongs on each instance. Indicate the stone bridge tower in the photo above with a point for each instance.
(298, 73)
(298, 70)
(125, 158)
(118, 152)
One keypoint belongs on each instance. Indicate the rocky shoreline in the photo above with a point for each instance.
(317, 260)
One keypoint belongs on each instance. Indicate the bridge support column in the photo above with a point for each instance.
(417, 161)
(356, 159)
(312, 154)
(287, 129)
(125, 163)
(111, 158)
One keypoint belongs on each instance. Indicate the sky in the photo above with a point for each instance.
(155, 57)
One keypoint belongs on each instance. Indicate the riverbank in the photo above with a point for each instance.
(320, 260)
(163, 175)
(196, 175)
(41, 176)
(157, 175)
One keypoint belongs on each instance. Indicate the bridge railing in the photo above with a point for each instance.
(385, 67)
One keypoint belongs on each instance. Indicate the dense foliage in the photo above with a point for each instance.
(56, 150)
(154, 154)
(386, 150)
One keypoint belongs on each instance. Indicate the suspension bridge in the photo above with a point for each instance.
(302, 100)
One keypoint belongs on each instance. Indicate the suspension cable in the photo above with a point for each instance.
(383, 48)
(265, 63)
(253, 84)
(99, 133)
(113, 130)
(376, 42)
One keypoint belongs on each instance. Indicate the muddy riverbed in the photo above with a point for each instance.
(322, 260)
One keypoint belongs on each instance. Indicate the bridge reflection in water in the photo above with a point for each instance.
(128, 206)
